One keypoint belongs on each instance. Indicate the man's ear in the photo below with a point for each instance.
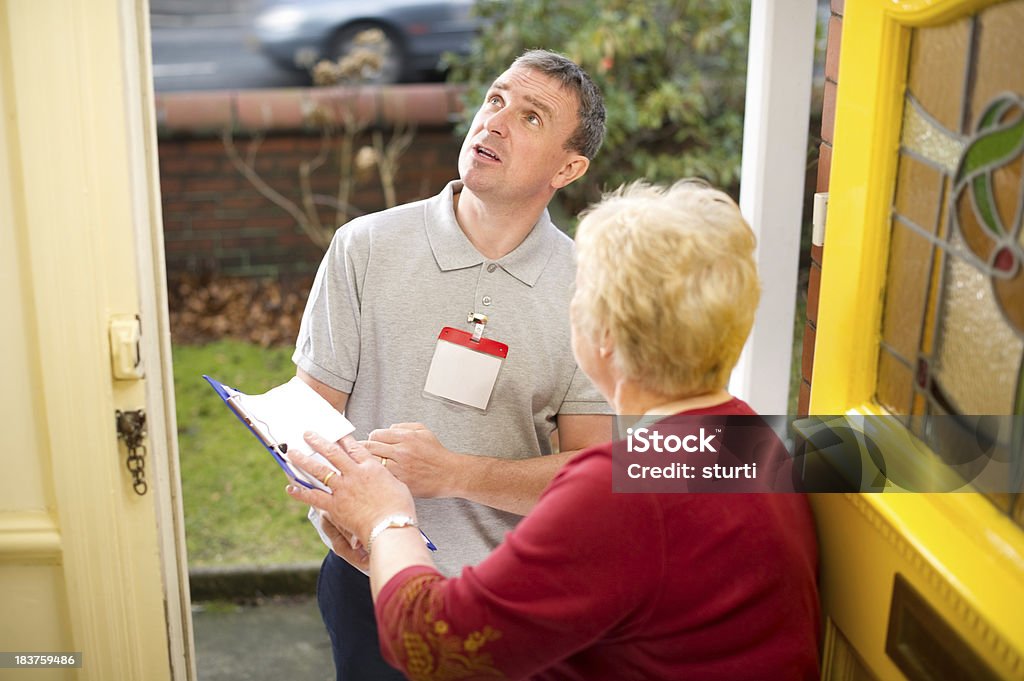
(574, 169)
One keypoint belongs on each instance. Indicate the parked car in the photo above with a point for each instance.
(296, 34)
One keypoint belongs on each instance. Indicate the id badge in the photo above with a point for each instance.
(463, 370)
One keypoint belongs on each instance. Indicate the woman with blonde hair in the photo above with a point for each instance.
(594, 584)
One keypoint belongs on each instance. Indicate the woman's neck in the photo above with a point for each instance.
(629, 399)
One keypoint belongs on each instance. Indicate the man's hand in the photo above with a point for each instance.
(414, 455)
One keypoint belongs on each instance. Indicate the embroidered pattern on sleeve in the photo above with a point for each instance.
(431, 651)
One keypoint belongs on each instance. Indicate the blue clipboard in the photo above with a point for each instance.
(226, 393)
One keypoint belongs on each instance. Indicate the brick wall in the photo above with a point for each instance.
(828, 112)
(217, 222)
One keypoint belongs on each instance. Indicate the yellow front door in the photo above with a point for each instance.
(90, 569)
(921, 316)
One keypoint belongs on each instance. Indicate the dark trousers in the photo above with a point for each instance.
(343, 594)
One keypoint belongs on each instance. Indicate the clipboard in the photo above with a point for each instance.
(272, 418)
(279, 417)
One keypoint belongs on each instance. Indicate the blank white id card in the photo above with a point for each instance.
(463, 370)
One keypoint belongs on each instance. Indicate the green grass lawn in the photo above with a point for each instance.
(236, 510)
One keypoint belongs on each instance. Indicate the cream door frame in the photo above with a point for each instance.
(85, 563)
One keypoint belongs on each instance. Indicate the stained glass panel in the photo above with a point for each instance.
(953, 321)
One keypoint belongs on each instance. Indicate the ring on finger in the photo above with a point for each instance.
(327, 477)
(383, 461)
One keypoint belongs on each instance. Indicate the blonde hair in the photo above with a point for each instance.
(668, 275)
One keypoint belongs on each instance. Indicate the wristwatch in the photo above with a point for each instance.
(391, 521)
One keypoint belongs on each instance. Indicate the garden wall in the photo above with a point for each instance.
(217, 223)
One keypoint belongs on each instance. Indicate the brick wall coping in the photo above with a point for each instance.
(288, 109)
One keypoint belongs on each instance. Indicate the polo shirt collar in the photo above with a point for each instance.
(453, 251)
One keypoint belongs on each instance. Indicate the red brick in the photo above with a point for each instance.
(807, 365)
(835, 34)
(193, 111)
(204, 244)
(204, 165)
(804, 401)
(338, 103)
(169, 149)
(170, 185)
(813, 289)
(818, 255)
(274, 144)
(270, 109)
(282, 221)
(423, 105)
(212, 184)
(828, 112)
(824, 166)
(173, 206)
(207, 223)
(246, 202)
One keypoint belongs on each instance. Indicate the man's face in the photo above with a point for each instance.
(515, 147)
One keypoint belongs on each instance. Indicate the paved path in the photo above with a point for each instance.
(282, 638)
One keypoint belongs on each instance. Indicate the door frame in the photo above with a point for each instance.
(156, 332)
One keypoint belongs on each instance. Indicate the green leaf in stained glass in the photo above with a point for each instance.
(988, 151)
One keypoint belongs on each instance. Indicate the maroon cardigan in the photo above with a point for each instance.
(595, 585)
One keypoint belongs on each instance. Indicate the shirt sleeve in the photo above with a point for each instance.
(582, 397)
(327, 347)
(569, 574)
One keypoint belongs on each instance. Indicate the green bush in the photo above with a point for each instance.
(672, 73)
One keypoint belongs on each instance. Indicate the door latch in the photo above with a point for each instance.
(125, 353)
(131, 427)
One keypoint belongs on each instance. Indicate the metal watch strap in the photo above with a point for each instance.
(397, 520)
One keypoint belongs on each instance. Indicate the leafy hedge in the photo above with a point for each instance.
(672, 73)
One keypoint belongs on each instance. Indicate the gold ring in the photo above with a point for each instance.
(327, 477)
(383, 461)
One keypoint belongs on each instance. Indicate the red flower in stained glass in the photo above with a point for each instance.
(988, 201)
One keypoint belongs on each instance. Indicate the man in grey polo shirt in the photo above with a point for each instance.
(392, 281)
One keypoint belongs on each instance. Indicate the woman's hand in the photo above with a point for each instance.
(363, 491)
(344, 545)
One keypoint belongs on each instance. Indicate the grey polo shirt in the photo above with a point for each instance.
(388, 284)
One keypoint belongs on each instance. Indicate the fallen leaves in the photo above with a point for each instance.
(266, 312)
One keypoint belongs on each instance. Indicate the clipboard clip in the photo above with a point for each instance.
(479, 320)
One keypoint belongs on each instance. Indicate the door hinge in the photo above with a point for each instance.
(818, 219)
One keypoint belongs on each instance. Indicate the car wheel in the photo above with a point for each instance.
(383, 57)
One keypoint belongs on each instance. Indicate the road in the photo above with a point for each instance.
(212, 53)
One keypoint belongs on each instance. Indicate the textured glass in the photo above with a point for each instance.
(925, 137)
(894, 384)
(938, 62)
(998, 65)
(907, 290)
(918, 192)
(977, 355)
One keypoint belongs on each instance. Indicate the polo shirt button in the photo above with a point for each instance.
(486, 300)
(492, 267)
